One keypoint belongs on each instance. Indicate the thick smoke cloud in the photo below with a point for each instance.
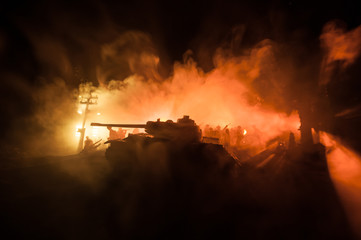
(227, 95)
(57, 42)
(133, 52)
(341, 48)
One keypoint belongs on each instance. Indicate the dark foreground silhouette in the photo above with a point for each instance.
(164, 191)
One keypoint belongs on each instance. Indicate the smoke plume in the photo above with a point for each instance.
(340, 46)
(226, 95)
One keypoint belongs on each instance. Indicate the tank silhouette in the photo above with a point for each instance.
(177, 142)
(184, 130)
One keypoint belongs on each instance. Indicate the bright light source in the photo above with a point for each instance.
(95, 131)
(98, 114)
(80, 112)
(244, 131)
(77, 127)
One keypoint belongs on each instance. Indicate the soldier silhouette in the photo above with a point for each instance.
(112, 134)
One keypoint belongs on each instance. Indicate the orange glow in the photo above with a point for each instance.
(77, 133)
(345, 170)
(339, 45)
(220, 97)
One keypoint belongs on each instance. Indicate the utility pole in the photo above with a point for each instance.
(87, 100)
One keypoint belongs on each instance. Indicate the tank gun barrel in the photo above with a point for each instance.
(118, 125)
(184, 130)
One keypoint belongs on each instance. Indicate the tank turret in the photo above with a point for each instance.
(184, 129)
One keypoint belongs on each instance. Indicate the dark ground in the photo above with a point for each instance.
(278, 195)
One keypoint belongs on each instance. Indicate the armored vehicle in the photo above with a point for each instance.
(184, 130)
(167, 141)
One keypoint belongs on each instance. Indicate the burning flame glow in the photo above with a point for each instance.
(218, 98)
(224, 96)
(345, 170)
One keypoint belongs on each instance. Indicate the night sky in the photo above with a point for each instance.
(77, 29)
